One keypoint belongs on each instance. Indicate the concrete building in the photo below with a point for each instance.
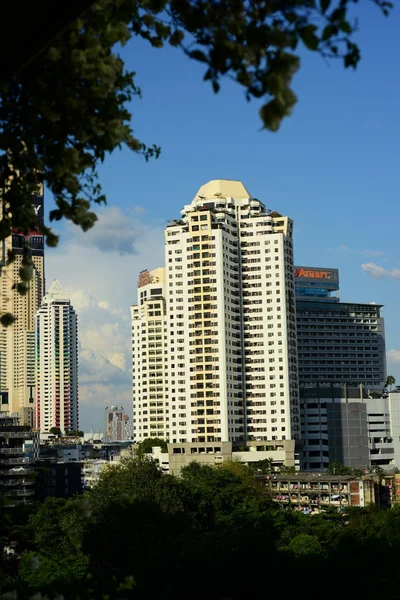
(315, 493)
(225, 312)
(342, 423)
(19, 450)
(57, 362)
(314, 283)
(58, 480)
(338, 342)
(341, 354)
(17, 341)
(341, 342)
(384, 430)
(117, 425)
(149, 362)
(334, 425)
(282, 453)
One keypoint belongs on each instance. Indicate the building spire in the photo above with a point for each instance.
(56, 289)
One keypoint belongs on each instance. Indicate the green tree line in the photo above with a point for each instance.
(211, 533)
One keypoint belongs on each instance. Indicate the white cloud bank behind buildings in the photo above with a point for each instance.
(99, 270)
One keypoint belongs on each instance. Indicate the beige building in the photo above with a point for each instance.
(211, 454)
(17, 342)
(223, 321)
(149, 364)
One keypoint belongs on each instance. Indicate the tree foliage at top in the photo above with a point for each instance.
(68, 108)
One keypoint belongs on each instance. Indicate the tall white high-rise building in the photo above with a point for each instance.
(57, 362)
(226, 314)
(17, 341)
(149, 365)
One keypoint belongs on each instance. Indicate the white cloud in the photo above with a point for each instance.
(139, 210)
(368, 253)
(82, 300)
(393, 356)
(380, 272)
(102, 286)
(114, 231)
(101, 383)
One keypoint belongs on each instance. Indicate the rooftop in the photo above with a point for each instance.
(222, 188)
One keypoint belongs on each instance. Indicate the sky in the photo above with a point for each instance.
(333, 167)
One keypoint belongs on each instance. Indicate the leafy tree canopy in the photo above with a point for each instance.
(140, 534)
(67, 109)
(146, 446)
(55, 431)
(76, 433)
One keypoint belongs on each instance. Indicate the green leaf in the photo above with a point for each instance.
(329, 31)
(345, 27)
(324, 5)
(26, 273)
(51, 240)
(198, 55)
(7, 319)
(22, 288)
(176, 38)
(308, 37)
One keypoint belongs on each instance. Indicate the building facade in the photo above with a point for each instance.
(226, 319)
(344, 423)
(338, 342)
(149, 357)
(117, 425)
(17, 341)
(313, 494)
(19, 450)
(334, 425)
(314, 283)
(57, 362)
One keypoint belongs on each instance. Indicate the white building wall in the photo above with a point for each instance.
(150, 377)
(394, 409)
(230, 340)
(56, 363)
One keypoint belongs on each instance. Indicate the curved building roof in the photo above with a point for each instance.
(222, 187)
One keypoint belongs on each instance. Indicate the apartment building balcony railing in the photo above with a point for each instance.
(17, 450)
(16, 461)
(13, 481)
(15, 474)
(24, 493)
(16, 434)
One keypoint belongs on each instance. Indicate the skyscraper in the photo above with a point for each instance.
(227, 325)
(341, 346)
(117, 427)
(17, 342)
(338, 342)
(149, 364)
(57, 362)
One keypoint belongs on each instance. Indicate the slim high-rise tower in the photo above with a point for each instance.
(230, 331)
(17, 342)
(149, 364)
(56, 362)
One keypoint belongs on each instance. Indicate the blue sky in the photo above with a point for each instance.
(333, 168)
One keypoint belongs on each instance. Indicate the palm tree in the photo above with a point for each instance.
(390, 381)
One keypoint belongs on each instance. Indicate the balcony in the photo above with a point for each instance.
(17, 450)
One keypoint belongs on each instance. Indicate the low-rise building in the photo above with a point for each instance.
(317, 492)
(281, 453)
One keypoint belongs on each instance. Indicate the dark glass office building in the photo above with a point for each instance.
(338, 342)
